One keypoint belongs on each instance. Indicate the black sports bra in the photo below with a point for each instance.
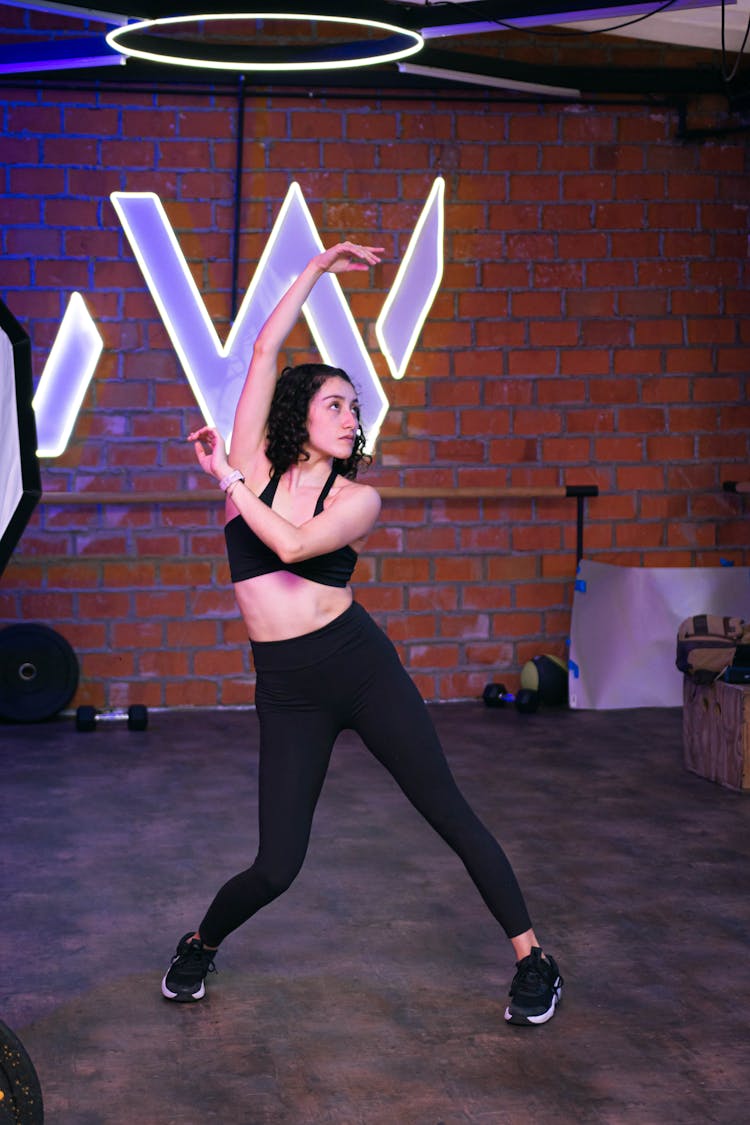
(249, 557)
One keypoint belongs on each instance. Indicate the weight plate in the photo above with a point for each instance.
(20, 1093)
(38, 673)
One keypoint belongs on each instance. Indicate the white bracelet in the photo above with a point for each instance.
(230, 479)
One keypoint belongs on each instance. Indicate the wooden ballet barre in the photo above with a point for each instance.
(736, 486)
(205, 496)
(579, 492)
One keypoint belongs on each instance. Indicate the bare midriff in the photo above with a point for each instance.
(278, 606)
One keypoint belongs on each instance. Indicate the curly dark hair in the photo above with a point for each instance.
(286, 432)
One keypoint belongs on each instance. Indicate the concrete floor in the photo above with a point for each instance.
(372, 993)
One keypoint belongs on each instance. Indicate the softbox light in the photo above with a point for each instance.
(20, 479)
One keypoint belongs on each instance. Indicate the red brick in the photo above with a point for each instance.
(534, 127)
(716, 389)
(495, 655)
(478, 596)
(436, 598)
(723, 446)
(106, 665)
(607, 333)
(633, 244)
(561, 391)
(504, 275)
(649, 478)
(496, 334)
(538, 186)
(435, 125)
(590, 303)
(493, 537)
(536, 304)
(381, 599)
(590, 421)
(458, 570)
(566, 217)
(637, 361)
(670, 447)
(620, 216)
(16, 272)
(641, 186)
(731, 359)
(16, 211)
(587, 127)
(160, 603)
(516, 624)
(412, 627)
(33, 242)
(722, 157)
(640, 534)
(566, 158)
(433, 656)
(711, 330)
(607, 274)
(566, 275)
(475, 422)
(137, 634)
(529, 246)
(691, 187)
(692, 360)
(669, 389)
(553, 334)
(513, 158)
(509, 217)
(589, 187)
(33, 119)
(191, 691)
(659, 332)
(532, 362)
(561, 450)
(693, 419)
(484, 188)
(582, 247)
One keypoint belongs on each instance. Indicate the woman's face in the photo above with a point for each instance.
(333, 419)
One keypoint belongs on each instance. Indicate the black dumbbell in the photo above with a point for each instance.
(136, 717)
(497, 695)
(527, 701)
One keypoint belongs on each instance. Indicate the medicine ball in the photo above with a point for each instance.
(549, 676)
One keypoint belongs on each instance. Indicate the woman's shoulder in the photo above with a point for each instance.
(355, 491)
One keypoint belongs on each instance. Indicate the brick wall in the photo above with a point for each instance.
(591, 328)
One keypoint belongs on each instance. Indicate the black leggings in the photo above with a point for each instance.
(347, 675)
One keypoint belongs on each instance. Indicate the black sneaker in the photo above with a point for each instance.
(185, 977)
(534, 990)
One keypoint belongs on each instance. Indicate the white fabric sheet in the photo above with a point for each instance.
(623, 635)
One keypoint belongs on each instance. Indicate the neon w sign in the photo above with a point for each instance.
(216, 371)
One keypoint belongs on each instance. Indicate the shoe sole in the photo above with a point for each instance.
(520, 1020)
(182, 997)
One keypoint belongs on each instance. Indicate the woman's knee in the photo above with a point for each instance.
(276, 877)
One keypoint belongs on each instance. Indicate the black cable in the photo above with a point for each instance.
(728, 77)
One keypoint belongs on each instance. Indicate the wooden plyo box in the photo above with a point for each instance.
(716, 732)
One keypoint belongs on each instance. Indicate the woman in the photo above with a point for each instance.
(296, 519)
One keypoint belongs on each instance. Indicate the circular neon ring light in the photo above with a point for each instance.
(400, 44)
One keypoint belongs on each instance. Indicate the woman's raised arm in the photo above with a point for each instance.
(251, 416)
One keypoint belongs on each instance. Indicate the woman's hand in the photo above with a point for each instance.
(210, 451)
(348, 256)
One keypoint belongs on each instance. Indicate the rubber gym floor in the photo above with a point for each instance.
(373, 992)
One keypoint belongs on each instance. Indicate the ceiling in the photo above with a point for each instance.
(513, 48)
